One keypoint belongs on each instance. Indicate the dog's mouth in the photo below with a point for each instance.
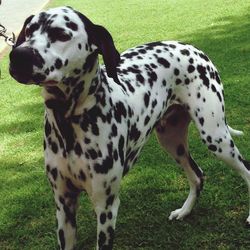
(48, 83)
(36, 79)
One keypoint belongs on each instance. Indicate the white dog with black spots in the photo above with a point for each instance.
(97, 118)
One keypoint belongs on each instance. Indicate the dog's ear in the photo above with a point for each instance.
(21, 36)
(105, 44)
(102, 39)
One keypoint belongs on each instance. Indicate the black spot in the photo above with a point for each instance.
(114, 130)
(54, 173)
(77, 71)
(178, 81)
(217, 78)
(87, 140)
(121, 148)
(33, 27)
(103, 218)
(66, 18)
(58, 63)
(187, 81)
(202, 70)
(172, 46)
(152, 77)
(163, 62)
(213, 88)
(72, 25)
(78, 149)
(191, 68)
(140, 78)
(146, 99)
(101, 239)
(176, 72)
(134, 133)
(71, 186)
(191, 60)
(203, 56)
(201, 120)
(58, 34)
(185, 52)
(130, 55)
(147, 119)
(62, 239)
(219, 96)
(90, 62)
(108, 191)
(198, 172)
(110, 200)
(142, 51)
(130, 87)
(47, 128)
(104, 167)
(110, 215)
(231, 144)
(54, 147)
(82, 176)
(212, 147)
(209, 139)
(93, 154)
(120, 111)
(180, 150)
(154, 102)
(246, 164)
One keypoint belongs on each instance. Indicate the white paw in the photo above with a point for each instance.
(178, 214)
(248, 222)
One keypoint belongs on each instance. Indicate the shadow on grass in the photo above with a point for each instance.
(142, 222)
(32, 119)
(226, 42)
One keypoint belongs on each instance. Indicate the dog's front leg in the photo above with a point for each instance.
(66, 198)
(66, 219)
(106, 207)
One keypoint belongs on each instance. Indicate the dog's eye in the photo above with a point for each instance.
(58, 34)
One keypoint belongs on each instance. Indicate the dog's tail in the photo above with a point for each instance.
(234, 131)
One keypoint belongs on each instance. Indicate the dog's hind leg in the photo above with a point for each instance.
(216, 134)
(172, 133)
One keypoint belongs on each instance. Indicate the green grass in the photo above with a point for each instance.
(155, 186)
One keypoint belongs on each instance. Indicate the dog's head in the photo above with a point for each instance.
(58, 44)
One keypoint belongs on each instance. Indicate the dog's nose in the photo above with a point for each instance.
(22, 60)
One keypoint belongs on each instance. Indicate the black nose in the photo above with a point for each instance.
(22, 60)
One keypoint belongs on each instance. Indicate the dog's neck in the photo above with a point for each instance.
(69, 97)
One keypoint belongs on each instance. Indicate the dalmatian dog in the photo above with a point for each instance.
(97, 118)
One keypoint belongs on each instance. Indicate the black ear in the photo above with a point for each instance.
(21, 36)
(111, 57)
(100, 37)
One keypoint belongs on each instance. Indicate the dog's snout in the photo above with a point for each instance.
(22, 60)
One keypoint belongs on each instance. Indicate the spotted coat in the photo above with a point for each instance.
(97, 118)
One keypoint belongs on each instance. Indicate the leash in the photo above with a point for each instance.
(10, 40)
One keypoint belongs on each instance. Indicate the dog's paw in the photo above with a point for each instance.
(248, 222)
(179, 214)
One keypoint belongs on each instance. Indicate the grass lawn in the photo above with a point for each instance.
(155, 186)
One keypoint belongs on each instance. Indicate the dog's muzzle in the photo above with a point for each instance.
(22, 61)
